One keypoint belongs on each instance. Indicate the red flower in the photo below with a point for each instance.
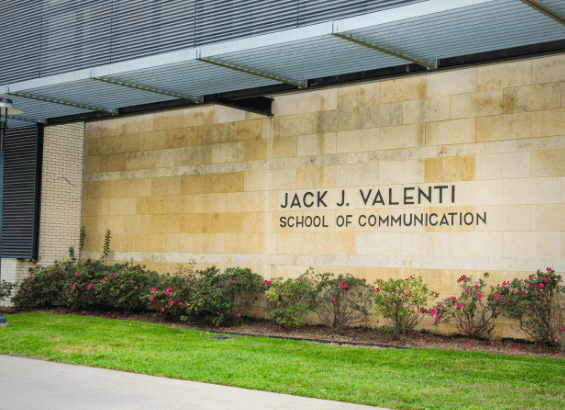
(547, 269)
(76, 274)
(453, 298)
(460, 306)
(479, 295)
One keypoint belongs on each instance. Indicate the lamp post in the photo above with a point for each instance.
(6, 109)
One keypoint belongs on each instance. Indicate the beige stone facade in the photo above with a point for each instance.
(437, 174)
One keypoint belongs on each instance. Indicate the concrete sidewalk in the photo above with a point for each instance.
(38, 384)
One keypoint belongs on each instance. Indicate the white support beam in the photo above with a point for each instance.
(61, 102)
(253, 71)
(385, 49)
(542, 9)
(131, 84)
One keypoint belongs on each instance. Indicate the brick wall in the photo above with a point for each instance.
(61, 199)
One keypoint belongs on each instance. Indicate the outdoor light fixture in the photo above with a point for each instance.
(6, 109)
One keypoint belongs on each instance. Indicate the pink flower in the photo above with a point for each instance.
(333, 299)
(377, 288)
(131, 281)
(180, 303)
(151, 299)
(547, 269)
(345, 285)
(433, 312)
(121, 287)
(162, 309)
(172, 302)
(468, 343)
(460, 306)
(188, 278)
(453, 298)
(476, 286)
(221, 294)
(89, 286)
(74, 287)
(239, 315)
(167, 292)
(492, 343)
(70, 284)
(479, 295)
(153, 290)
(345, 292)
(231, 280)
(496, 310)
(541, 285)
(409, 295)
(437, 319)
(43, 288)
(496, 297)
(522, 292)
(101, 281)
(561, 329)
(76, 274)
(89, 276)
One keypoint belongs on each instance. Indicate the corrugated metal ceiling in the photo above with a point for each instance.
(429, 31)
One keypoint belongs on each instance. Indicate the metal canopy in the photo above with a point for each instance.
(421, 34)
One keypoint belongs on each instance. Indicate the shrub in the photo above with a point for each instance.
(172, 296)
(538, 304)
(291, 299)
(473, 311)
(402, 302)
(6, 289)
(342, 300)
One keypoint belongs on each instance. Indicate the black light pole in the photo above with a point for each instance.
(6, 109)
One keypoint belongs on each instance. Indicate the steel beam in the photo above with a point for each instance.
(542, 9)
(252, 71)
(385, 49)
(56, 101)
(130, 84)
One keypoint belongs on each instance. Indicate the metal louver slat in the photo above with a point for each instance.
(75, 35)
(20, 44)
(22, 177)
(145, 27)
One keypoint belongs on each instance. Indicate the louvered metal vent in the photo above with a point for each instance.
(23, 149)
(144, 27)
(318, 11)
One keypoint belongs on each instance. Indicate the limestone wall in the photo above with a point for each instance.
(472, 161)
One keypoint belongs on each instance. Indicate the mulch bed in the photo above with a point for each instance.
(359, 336)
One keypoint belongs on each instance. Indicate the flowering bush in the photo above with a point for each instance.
(538, 304)
(6, 289)
(342, 300)
(291, 299)
(402, 302)
(473, 310)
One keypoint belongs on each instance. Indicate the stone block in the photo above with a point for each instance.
(212, 134)
(256, 150)
(150, 205)
(403, 136)
(316, 144)
(548, 123)
(167, 120)
(335, 243)
(196, 116)
(254, 222)
(224, 114)
(382, 115)
(358, 140)
(208, 203)
(452, 82)
(244, 243)
(282, 179)
(148, 141)
(401, 172)
(285, 105)
(164, 223)
(113, 163)
(531, 191)
(301, 124)
(182, 137)
(228, 152)
(357, 174)
(429, 109)
(512, 74)
(91, 165)
(477, 104)
(403, 89)
(314, 101)
(316, 177)
(476, 244)
(420, 244)
(194, 223)
(548, 163)
(450, 169)
(548, 218)
(358, 95)
(196, 155)
(509, 218)
(378, 244)
(532, 245)
(502, 166)
(284, 147)
(165, 186)
(256, 180)
(503, 127)
(179, 204)
(532, 98)
(210, 183)
(338, 120)
(121, 206)
(209, 243)
(296, 243)
(245, 131)
(548, 69)
(226, 222)
(450, 132)
(451, 219)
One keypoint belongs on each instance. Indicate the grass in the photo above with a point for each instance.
(398, 379)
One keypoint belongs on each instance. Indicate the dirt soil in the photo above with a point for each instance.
(361, 336)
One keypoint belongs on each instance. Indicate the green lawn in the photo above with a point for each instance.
(397, 379)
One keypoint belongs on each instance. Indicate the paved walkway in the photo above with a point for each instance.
(37, 384)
